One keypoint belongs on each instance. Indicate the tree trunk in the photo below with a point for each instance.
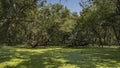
(3, 31)
(116, 35)
(98, 35)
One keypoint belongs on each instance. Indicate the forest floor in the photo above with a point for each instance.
(58, 57)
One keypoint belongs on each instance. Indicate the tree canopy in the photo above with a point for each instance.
(35, 23)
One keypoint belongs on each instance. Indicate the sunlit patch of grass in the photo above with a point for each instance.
(13, 62)
(57, 57)
(68, 66)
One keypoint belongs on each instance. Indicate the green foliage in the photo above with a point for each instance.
(36, 23)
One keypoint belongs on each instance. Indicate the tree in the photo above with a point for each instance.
(14, 13)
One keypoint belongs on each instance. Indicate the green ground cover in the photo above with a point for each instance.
(57, 57)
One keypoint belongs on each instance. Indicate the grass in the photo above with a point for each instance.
(57, 57)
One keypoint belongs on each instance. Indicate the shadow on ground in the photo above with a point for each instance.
(59, 58)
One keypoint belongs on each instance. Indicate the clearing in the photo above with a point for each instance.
(58, 57)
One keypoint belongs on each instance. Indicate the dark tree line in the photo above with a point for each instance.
(35, 23)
